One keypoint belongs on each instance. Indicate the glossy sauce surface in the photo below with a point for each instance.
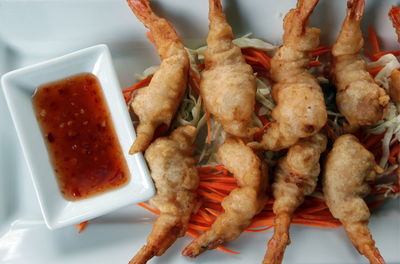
(80, 136)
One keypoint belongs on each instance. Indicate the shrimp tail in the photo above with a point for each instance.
(361, 238)
(159, 241)
(215, 7)
(296, 25)
(142, 10)
(355, 9)
(279, 241)
(305, 9)
(350, 40)
(144, 136)
(394, 15)
(219, 27)
(144, 254)
(162, 33)
(200, 245)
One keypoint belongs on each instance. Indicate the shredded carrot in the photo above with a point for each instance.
(145, 206)
(194, 81)
(263, 118)
(198, 227)
(259, 229)
(315, 209)
(257, 58)
(82, 226)
(320, 51)
(219, 168)
(210, 195)
(375, 71)
(213, 212)
(214, 190)
(128, 91)
(372, 140)
(394, 151)
(201, 66)
(214, 187)
(331, 134)
(219, 178)
(218, 186)
(314, 64)
(139, 84)
(208, 127)
(373, 37)
(260, 132)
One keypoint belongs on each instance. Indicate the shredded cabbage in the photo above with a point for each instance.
(390, 125)
(264, 96)
(190, 111)
(147, 72)
(246, 42)
(390, 63)
(242, 42)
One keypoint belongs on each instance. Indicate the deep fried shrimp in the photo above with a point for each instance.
(359, 98)
(300, 108)
(295, 177)
(174, 172)
(228, 85)
(157, 103)
(242, 204)
(347, 169)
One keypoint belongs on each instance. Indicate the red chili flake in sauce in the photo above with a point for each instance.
(80, 137)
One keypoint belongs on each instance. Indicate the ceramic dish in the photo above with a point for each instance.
(18, 87)
(32, 31)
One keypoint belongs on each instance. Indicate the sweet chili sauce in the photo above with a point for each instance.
(80, 137)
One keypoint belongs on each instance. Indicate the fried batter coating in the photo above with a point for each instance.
(242, 204)
(174, 172)
(394, 89)
(296, 176)
(358, 97)
(157, 103)
(228, 85)
(300, 108)
(347, 169)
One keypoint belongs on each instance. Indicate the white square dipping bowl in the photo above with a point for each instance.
(18, 87)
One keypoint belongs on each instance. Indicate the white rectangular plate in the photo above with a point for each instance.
(32, 31)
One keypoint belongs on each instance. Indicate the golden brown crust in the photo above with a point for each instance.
(174, 172)
(295, 177)
(242, 203)
(228, 85)
(348, 167)
(359, 98)
(300, 107)
(157, 103)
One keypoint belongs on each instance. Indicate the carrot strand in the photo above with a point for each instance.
(373, 37)
(145, 206)
(375, 71)
(208, 127)
(82, 226)
(139, 84)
